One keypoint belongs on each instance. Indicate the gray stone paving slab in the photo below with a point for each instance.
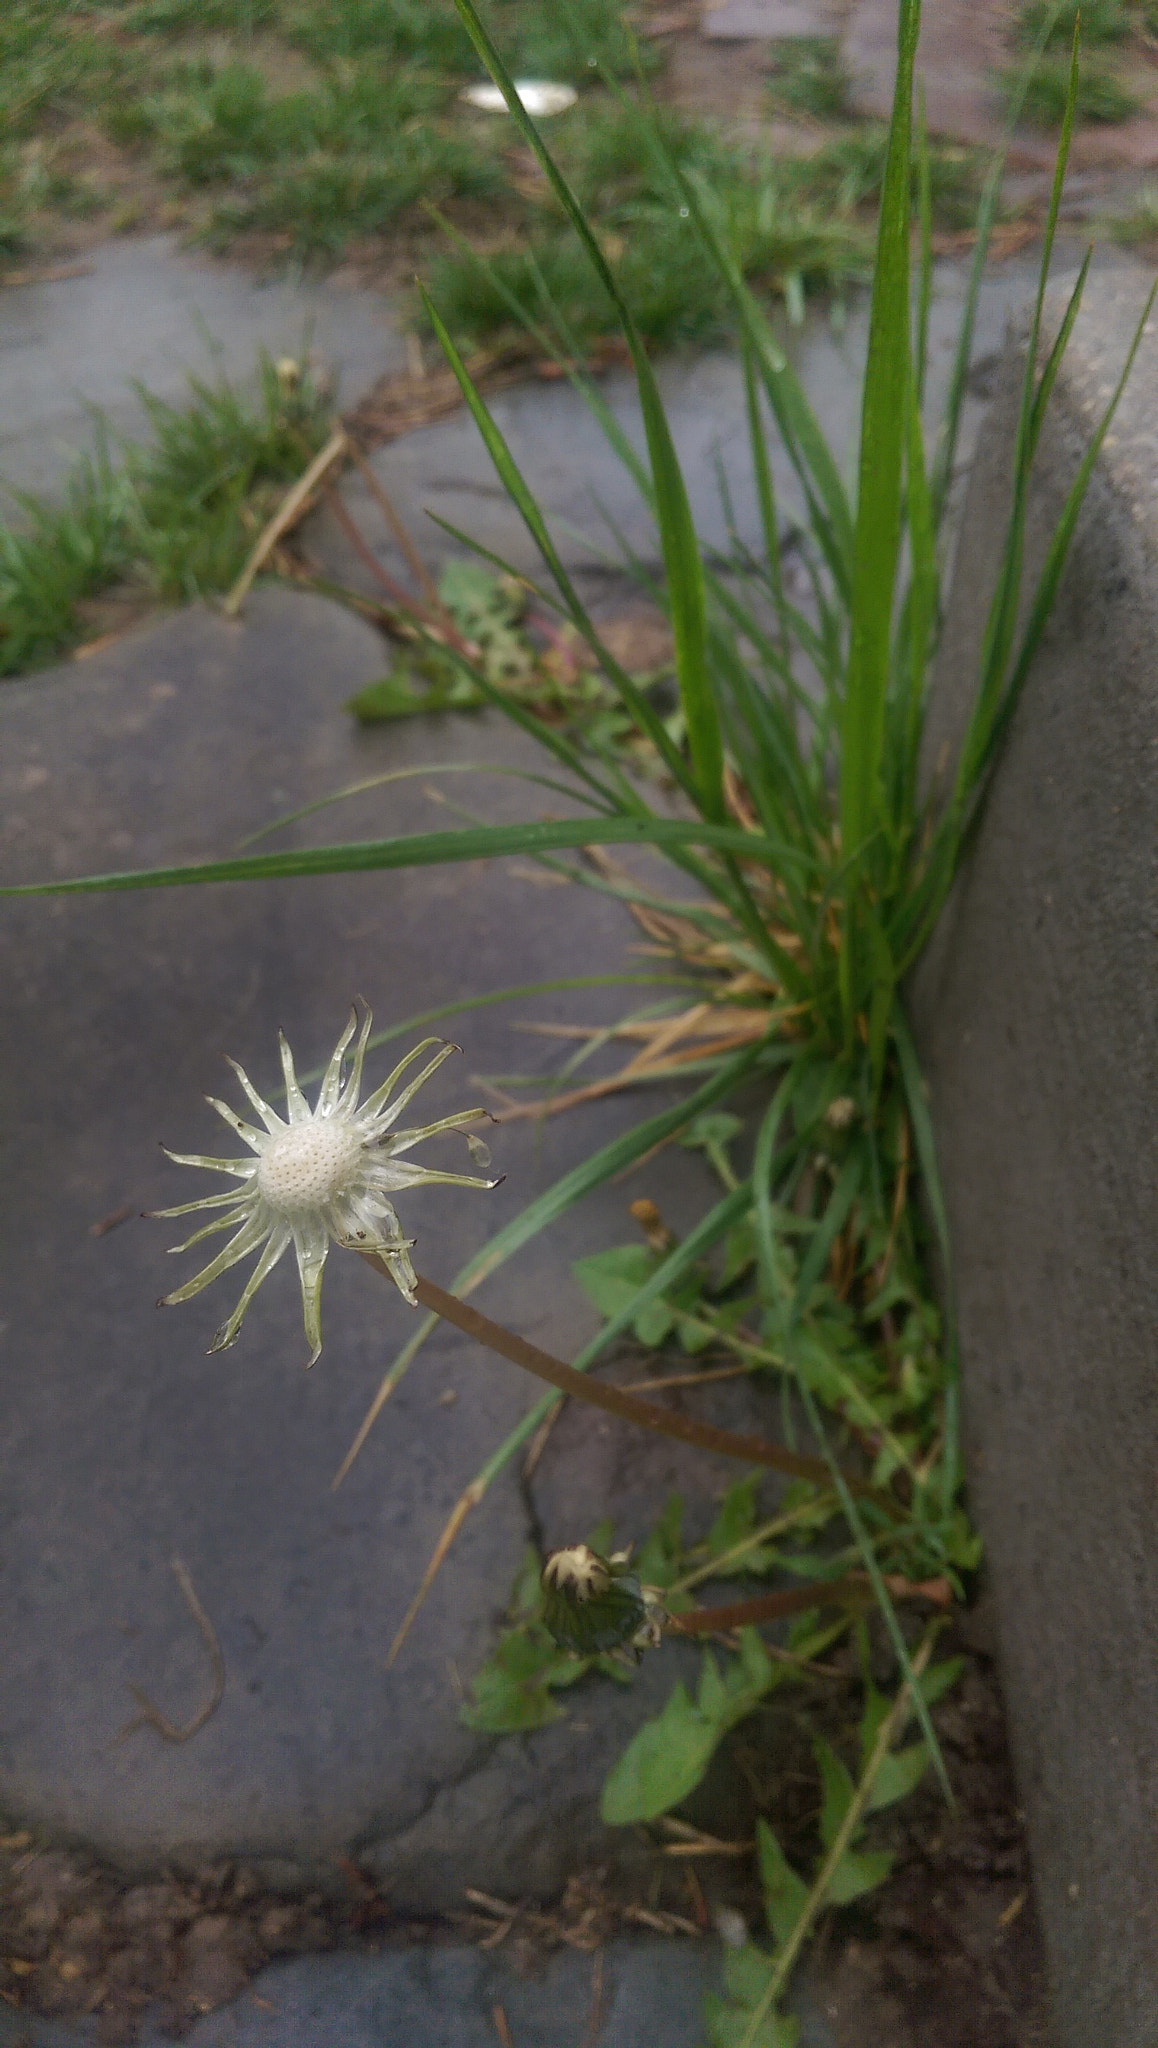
(767, 20)
(124, 1444)
(148, 309)
(444, 470)
(646, 1994)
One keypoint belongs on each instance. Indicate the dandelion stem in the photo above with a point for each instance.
(752, 1450)
(853, 1590)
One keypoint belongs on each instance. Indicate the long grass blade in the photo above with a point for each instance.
(681, 551)
(1002, 621)
(825, 1234)
(1046, 591)
(428, 849)
(946, 456)
(523, 498)
(876, 1577)
(879, 492)
(766, 498)
(804, 441)
(391, 775)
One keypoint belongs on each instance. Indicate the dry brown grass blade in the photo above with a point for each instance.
(538, 1443)
(749, 1024)
(685, 1379)
(900, 1197)
(365, 553)
(667, 1034)
(390, 1380)
(403, 400)
(628, 1077)
(690, 1841)
(291, 509)
(462, 1507)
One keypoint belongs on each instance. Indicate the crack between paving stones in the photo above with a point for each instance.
(374, 1839)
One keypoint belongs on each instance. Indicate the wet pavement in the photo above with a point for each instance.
(145, 309)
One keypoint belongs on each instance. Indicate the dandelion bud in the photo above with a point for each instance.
(593, 1604)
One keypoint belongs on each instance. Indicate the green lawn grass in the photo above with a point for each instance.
(319, 123)
(304, 132)
(809, 78)
(1103, 21)
(1101, 94)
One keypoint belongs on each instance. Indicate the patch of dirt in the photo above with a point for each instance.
(951, 1955)
(946, 1954)
(76, 1939)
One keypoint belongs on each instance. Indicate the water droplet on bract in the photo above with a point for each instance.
(480, 1152)
(685, 212)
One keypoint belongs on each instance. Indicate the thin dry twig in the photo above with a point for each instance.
(150, 1714)
(690, 1841)
(686, 1379)
(407, 549)
(661, 1923)
(365, 554)
(292, 506)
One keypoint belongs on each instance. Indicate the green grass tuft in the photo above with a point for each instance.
(211, 472)
(809, 77)
(1102, 21)
(60, 555)
(1140, 224)
(177, 517)
(850, 169)
(1101, 95)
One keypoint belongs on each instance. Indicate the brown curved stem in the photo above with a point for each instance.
(854, 1590)
(752, 1450)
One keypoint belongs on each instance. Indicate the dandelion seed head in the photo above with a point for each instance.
(308, 1165)
(320, 1176)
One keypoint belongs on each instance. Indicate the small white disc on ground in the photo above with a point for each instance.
(539, 96)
